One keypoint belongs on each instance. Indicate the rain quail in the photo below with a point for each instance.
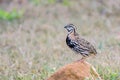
(78, 44)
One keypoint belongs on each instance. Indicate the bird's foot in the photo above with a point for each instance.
(81, 60)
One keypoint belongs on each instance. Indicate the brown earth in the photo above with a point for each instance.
(79, 70)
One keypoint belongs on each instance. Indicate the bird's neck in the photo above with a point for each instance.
(72, 35)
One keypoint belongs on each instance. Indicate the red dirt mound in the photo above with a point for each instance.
(78, 70)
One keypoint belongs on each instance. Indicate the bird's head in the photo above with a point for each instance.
(70, 27)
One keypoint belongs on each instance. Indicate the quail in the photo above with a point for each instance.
(78, 44)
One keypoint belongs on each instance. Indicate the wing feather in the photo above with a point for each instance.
(86, 45)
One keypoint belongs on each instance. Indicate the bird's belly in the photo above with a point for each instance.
(71, 45)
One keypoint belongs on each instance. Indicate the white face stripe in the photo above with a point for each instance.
(70, 27)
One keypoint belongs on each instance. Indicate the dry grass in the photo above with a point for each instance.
(33, 47)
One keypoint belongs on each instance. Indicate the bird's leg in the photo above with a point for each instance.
(82, 59)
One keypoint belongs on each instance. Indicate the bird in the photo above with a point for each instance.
(78, 44)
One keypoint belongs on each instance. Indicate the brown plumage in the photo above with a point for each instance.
(78, 44)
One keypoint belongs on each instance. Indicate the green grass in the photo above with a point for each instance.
(66, 2)
(35, 2)
(109, 74)
(14, 14)
(51, 2)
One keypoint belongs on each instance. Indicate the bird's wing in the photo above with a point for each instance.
(85, 44)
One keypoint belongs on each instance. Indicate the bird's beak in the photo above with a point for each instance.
(65, 27)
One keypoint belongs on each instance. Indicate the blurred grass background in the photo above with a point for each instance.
(32, 37)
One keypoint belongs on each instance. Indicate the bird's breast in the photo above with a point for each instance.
(69, 42)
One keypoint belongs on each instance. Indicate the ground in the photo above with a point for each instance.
(33, 46)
